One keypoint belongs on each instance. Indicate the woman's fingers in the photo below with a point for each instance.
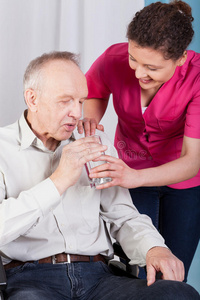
(89, 126)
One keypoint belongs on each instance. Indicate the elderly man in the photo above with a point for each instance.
(54, 240)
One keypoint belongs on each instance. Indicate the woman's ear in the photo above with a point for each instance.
(30, 97)
(183, 58)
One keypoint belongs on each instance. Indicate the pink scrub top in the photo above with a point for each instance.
(155, 137)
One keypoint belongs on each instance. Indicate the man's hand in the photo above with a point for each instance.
(160, 259)
(73, 158)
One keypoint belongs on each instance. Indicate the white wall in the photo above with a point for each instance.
(101, 24)
(29, 28)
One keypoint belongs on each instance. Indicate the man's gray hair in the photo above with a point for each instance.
(31, 75)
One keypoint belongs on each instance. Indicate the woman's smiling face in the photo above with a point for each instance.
(151, 68)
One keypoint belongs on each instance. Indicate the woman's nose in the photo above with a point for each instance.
(140, 72)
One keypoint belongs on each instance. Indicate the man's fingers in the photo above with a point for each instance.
(168, 274)
(90, 140)
(161, 259)
(151, 275)
(89, 154)
(173, 271)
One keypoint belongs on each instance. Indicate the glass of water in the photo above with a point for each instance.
(92, 164)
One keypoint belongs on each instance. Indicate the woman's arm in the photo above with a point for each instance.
(93, 111)
(181, 169)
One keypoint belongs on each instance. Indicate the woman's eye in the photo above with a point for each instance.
(131, 58)
(151, 69)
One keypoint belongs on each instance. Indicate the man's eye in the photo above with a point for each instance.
(65, 101)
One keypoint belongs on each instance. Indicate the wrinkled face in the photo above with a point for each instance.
(59, 104)
(151, 68)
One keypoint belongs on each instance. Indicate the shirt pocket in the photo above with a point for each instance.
(90, 206)
(172, 127)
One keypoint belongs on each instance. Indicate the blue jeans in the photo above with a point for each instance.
(87, 281)
(176, 214)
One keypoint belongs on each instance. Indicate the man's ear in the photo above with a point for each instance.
(183, 58)
(30, 97)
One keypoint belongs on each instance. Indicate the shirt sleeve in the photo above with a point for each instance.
(96, 79)
(134, 231)
(192, 124)
(18, 215)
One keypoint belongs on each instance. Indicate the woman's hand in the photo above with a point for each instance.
(89, 125)
(121, 174)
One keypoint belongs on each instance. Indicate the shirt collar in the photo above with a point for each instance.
(28, 138)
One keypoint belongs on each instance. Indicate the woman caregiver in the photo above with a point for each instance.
(155, 83)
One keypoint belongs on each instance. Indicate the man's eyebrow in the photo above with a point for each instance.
(64, 96)
(68, 96)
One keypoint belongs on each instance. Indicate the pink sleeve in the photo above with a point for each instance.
(96, 79)
(192, 124)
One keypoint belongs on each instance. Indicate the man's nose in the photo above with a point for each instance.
(76, 110)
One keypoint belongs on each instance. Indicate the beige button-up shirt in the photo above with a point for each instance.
(36, 222)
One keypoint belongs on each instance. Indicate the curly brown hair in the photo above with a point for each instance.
(164, 27)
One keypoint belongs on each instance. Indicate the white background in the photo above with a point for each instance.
(29, 28)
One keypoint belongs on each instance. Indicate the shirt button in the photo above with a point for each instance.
(70, 246)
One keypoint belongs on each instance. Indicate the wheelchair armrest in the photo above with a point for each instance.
(119, 252)
(2, 276)
(123, 267)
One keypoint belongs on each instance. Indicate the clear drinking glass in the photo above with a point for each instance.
(92, 164)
